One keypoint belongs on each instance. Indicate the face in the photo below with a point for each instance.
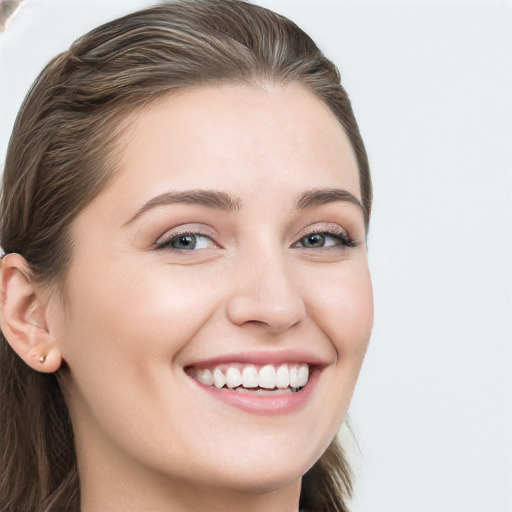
(218, 305)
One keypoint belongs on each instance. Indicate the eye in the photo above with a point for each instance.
(324, 240)
(187, 242)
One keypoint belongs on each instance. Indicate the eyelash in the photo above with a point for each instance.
(340, 235)
(166, 242)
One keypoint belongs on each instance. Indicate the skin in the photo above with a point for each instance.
(133, 316)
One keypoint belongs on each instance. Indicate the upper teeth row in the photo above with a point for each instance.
(248, 376)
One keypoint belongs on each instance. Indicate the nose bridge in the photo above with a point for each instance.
(266, 291)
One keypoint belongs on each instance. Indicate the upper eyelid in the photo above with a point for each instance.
(327, 234)
(186, 229)
(164, 242)
(324, 228)
(327, 229)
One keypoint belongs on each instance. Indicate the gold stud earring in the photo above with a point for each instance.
(41, 359)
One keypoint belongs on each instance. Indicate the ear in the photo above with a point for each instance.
(23, 316)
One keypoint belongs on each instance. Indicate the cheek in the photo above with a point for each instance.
(139, 312)
(344, 310)
(346, 314)
(122, 332)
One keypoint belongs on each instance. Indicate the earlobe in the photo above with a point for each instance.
(23, 317)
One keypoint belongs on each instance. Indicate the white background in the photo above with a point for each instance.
(431, 85)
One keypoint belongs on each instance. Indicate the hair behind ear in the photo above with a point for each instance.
(37, 457)
(34, 418)
(327, 486)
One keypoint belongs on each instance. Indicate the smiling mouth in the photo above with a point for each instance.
(249, 378)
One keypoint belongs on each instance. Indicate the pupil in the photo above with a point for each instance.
(184, 242)
(315, 240)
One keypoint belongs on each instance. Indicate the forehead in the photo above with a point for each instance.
(236, 132)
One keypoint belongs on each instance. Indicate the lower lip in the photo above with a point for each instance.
(285, 403)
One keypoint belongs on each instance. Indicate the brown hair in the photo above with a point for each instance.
(62, 154)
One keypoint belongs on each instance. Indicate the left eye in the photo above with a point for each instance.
(321, 240)
(189, 242)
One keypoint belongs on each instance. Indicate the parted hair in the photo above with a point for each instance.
(62, 153)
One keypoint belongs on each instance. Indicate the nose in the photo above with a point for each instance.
(266, 293)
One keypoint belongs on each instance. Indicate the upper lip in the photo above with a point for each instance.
(262, 357)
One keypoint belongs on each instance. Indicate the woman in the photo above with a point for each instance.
(186, 301)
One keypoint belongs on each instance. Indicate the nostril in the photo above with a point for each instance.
(265, 292)
(270, 314)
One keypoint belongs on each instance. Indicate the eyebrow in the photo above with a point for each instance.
(313, 198)
(219, 200)
(214, 199)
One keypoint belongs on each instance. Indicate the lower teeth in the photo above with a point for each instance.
(260, 391)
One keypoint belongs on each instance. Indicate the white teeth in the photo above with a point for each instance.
(271, 392)
(238, 376)
(250, 377)
(294, 381)
(218, 378)
(265, 391)
(205, 376)
(267, 377)
(299, 375)
(233, 377)
(303, 375)
(282, 377)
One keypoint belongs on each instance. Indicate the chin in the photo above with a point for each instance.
(263, 481)
(266, 473)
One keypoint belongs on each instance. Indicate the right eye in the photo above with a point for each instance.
(187, 242)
